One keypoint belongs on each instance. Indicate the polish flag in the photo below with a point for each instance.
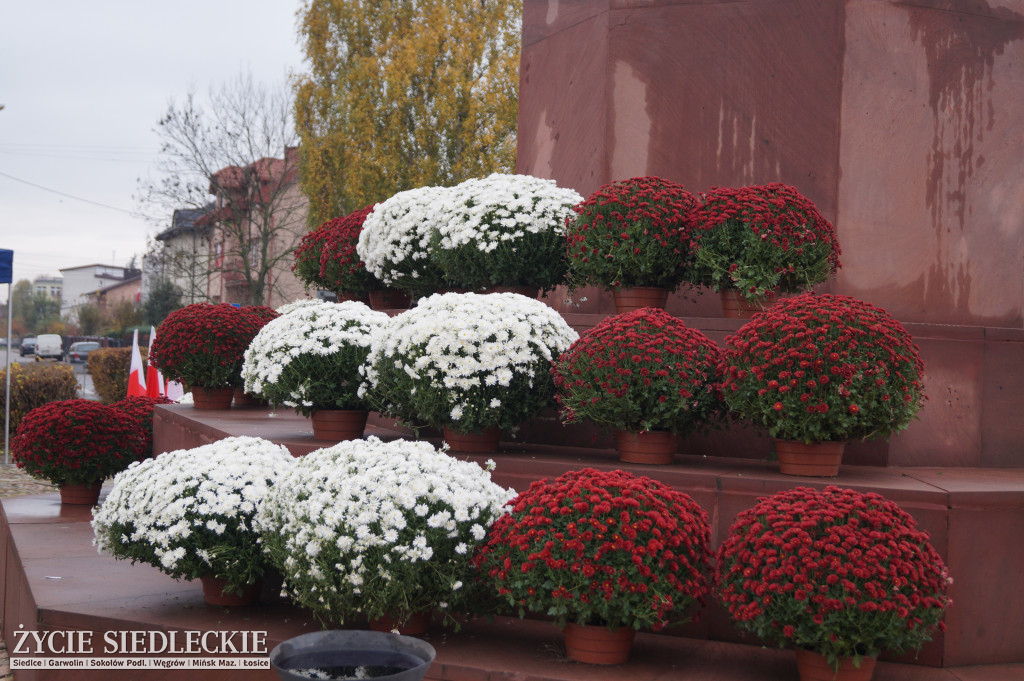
(137, 373)
(154, 379)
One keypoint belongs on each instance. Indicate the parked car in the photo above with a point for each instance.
(79, 352)
(28, 346)
(49, 346)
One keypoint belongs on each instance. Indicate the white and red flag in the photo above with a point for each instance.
(137, 373)
(154, 379)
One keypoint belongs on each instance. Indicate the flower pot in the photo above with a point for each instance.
(212, 398)
(84, 495)
(629, 299)
(735, 306)
(352, 298)
(338, 424)
(390, 299)
(407, 659)
(814, 667)
(819, 459)
(416, 624)
(657, 447)
(598, 645)
(243, 399)
(214, 594)
(482, 441)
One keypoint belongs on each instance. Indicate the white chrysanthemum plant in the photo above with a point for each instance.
(503, 231)
(467, 362)
(379, 529)
(297, 304)
(395, 241)
(189, 513)
(310, 358)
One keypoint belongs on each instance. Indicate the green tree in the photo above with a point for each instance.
(163, 299)
(35, 312)
(89, 319)
(404, 94)
(123, 316)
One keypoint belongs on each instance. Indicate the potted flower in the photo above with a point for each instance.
(645, 374)
(76, 445)
(189, 514)
(471, 364)
(384, 530)
(754, 243)
(848, 575)
(603, 552)
(395, 243)
(503, 232)
(632, 237)
(326, 258)
(818, 370)
(202, 346)
(310, 359)
(140, 408)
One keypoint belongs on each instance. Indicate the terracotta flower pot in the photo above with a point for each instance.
(212, 398)
(819, 459)
(353, 297)
(390, 299)
(416, 624)
(483, 441)
(629, 299)
(83, 495)
(338, 424)
(598, 645)
(657, 447)
(735, 306)
(244, 399)
(214, 594)
(814, 667)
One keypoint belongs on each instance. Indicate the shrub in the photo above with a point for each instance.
(77, 442)
(632, 233)
(824, 368)
(189, 512)
(326, 257)
(640, 371)
(140, 408)
(109, 368)
(204, 345)
(762, 240)
(600, 547)
(835, 571)
(36, 384)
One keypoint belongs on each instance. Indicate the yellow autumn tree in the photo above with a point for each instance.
(404, 93)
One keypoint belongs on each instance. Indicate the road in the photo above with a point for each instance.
(85, 388)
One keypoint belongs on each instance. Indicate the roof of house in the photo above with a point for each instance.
(185, 220)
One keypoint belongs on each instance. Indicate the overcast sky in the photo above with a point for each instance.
(83, 85)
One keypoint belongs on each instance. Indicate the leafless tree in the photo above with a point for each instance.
(237, 150)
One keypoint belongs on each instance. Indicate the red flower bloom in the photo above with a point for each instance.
(326, 257)
(600, 546)
(874, 579)
(786, 355)
(204, 344)
(140, 408)
(77, 442)
(633, 232)
(639, 371)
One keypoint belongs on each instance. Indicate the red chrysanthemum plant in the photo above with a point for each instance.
(643, 373)
(600, 548)
(140, 408)
(836, 572)
(326, 258)
(761, 241)
(824, 368)
(77, 442)
(204, 344)
(631, 234)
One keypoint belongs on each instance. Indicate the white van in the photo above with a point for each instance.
(49, 346)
